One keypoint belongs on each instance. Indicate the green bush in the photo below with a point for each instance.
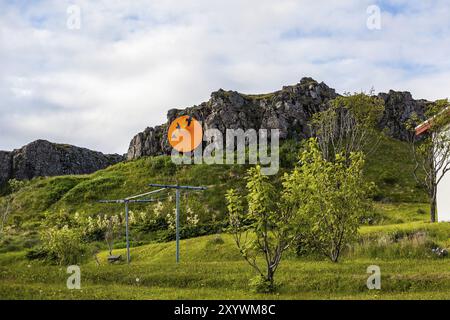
(289, 153)
(63, 244)
(123, 244)
(39, 253)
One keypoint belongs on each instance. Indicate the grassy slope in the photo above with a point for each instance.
(390, 168)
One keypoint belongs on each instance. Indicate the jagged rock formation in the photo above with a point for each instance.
(398, 108)
(43, 158)
(5, 166)
(289, 110)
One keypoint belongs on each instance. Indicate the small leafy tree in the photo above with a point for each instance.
(263, 228)
(5, 211)
(348, 125)
(7, 202)
(111, 232)
(333, 197)
(431, 151)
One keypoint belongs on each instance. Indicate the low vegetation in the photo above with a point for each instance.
(56, 221)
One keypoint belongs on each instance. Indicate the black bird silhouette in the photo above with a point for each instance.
(189, 120)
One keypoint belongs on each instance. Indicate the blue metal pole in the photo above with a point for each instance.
(126, 232)
(177, 224)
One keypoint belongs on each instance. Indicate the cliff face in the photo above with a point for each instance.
(289, 110)
(398, 108)
(43, 158)
(5, 166)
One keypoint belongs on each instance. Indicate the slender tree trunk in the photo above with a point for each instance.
(433, 204)
(335, 256)
(270, 275)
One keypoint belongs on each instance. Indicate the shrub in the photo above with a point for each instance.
(289, 153)
(63, 244)
(332, 199)
(39, 253)
(58, 219)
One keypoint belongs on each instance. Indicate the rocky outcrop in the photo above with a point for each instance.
(43, 158)
(5, 166)
(398, 107)
(289, 109)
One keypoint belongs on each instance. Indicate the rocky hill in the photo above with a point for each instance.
(288, 109)
(43, 158)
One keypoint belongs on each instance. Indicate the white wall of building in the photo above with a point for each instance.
(443, 197)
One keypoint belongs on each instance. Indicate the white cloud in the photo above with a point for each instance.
(131, 62)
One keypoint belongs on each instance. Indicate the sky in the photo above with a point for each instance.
(95, 73)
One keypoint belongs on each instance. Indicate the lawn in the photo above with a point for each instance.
(212, 269)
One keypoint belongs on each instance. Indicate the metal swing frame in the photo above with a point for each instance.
(137, 199)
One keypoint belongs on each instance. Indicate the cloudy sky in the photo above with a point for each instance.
(127, 64)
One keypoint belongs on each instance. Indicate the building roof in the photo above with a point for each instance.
(426, 125)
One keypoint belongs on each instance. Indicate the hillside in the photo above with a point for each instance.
(397, 197)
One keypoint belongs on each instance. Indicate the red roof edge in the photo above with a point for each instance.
(425, 126)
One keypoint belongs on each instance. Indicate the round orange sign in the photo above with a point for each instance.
(185, 134)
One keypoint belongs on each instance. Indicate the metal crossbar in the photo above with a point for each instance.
(175, 186)
(144, 194)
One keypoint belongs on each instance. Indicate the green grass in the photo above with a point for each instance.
(391, 167)
(216, 271)
(400, 212)
(81, 193)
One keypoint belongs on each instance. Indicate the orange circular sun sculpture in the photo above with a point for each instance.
(185, 134)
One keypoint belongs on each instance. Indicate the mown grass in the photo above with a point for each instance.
(210, 269)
